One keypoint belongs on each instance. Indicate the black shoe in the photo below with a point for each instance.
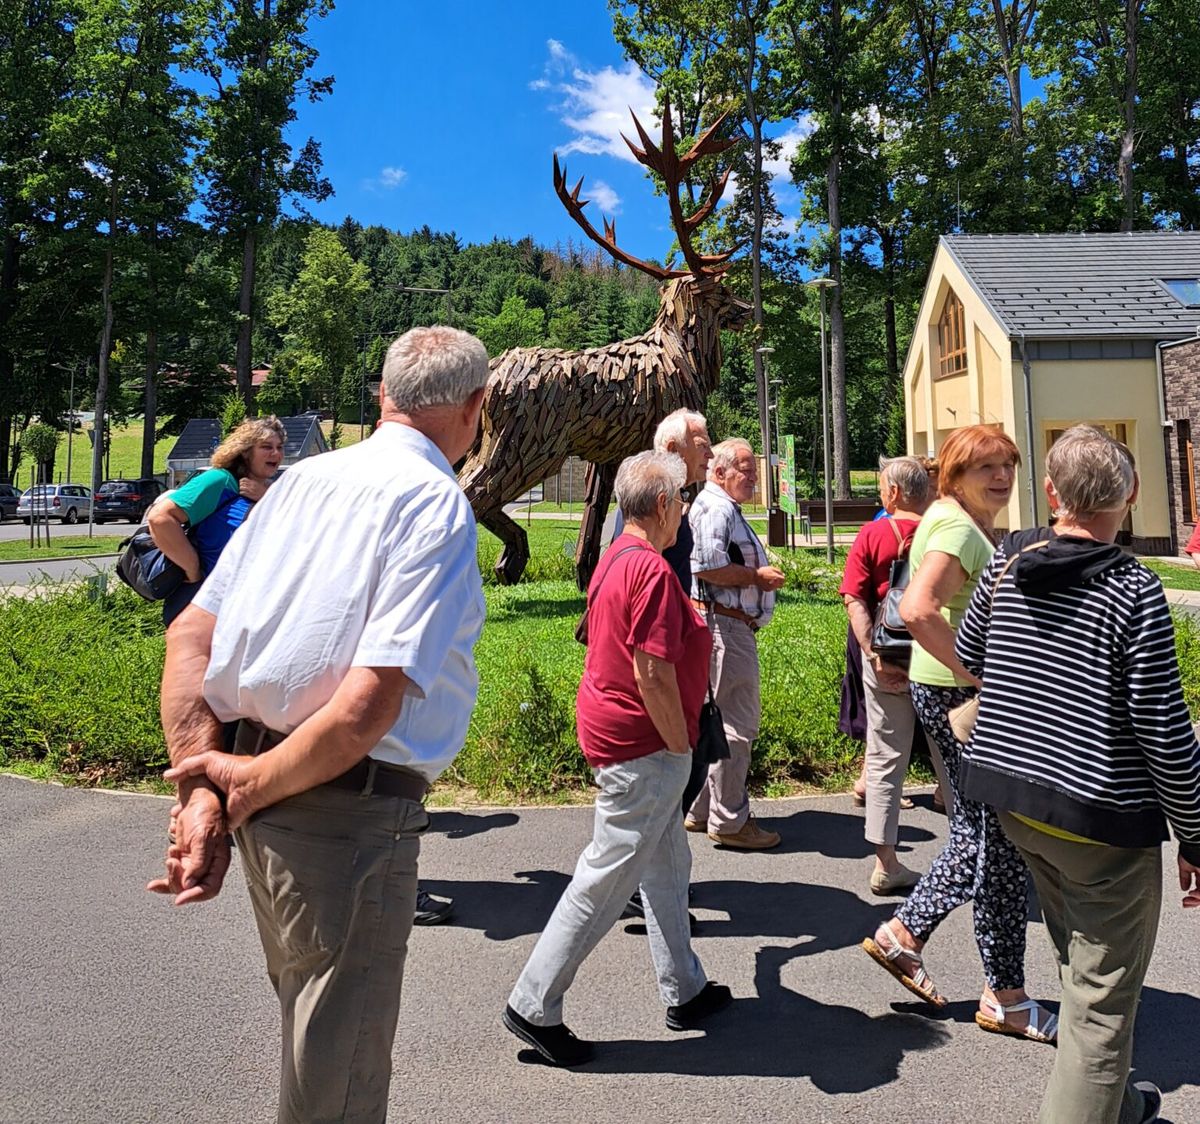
(431, 910)
(555, 1043)
(713, 997)
(1151, 1101)
(634, 907)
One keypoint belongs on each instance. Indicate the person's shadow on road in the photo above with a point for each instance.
(462, 825)
(841, 1049)
(1164, 1047)
(833, 834)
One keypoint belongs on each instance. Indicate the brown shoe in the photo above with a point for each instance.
(750, 838)
(690, 824)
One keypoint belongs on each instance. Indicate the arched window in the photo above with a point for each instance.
(952, 338)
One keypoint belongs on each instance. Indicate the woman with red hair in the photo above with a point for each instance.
(976, 469)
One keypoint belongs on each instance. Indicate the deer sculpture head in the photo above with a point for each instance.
(696, 293)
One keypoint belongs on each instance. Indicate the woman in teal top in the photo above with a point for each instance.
(192, 525)
(976, 469)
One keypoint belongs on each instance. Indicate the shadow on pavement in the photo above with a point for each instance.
(461, 825)
(1164, 1044)
(839, 1048)
(834, 834)
(830, 917)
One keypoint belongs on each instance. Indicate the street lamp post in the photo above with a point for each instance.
(777, 383)
(824, 283)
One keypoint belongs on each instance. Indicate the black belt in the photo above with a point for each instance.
(369, 777)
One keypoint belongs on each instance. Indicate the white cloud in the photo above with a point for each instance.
(779, 169)
(604, 197)
(595, 104)
(392, 177)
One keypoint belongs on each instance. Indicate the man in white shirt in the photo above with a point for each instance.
(338, 630)
(735, 588)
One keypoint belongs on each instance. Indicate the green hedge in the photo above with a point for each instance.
(79, 675)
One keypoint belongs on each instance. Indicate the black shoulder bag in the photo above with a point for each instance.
(890, 638)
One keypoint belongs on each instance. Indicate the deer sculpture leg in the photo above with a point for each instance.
(598, 488)
(514, 556)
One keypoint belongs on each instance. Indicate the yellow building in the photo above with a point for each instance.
(1034, 333)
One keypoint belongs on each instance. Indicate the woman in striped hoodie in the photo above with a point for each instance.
(1085, 747)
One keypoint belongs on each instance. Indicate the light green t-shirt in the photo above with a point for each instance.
(947, 528)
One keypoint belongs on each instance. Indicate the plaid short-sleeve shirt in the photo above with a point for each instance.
(720, 534)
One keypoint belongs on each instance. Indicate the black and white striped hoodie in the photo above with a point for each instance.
(1082, 723)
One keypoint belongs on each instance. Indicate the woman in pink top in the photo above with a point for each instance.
(638, 712)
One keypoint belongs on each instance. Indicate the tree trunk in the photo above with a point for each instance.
(1129, 100)
(1012, 74)
(106, 337)
(150, 415)
(837, 324)
(9, 274)
(760, 374)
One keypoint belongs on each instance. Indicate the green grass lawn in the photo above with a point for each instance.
(1181, 575)
(61, 546)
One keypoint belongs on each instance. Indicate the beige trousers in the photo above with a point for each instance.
(332, 876)
(723, 802)
(891, 722)
(1101, 907)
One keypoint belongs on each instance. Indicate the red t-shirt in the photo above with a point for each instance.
(869, 563)
(638, 603)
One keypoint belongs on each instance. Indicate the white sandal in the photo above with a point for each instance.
(919, 982)
(1043, 1026)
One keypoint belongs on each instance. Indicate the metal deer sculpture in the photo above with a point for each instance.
(542, 404)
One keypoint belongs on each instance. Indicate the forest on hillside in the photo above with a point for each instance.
(156, 248)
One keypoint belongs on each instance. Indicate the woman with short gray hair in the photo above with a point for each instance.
(905, 489)
(638, 716)
(1085, 748)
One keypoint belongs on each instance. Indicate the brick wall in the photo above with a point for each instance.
(1181, 383)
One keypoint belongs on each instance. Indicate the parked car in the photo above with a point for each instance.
(9, 498)
(67, 503)
(126, 499)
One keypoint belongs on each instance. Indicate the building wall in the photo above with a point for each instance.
(1181, 386)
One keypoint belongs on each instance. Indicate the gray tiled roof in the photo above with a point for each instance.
(202, 435)
(1073, 286)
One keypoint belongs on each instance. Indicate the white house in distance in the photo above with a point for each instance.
(1037, 332)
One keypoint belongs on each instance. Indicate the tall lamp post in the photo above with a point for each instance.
(776, 530)
(824, 283)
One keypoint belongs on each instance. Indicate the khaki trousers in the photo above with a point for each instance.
(332, 876)
(1101, 907)
(724, 803)
(891, 722)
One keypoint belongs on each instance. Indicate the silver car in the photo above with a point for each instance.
(68, 503)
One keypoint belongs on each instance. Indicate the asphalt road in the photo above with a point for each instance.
(120, 1008)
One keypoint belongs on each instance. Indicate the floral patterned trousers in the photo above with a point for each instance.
(978, 863)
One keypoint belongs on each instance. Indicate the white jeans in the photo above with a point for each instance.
(891, 722)
(638, 838)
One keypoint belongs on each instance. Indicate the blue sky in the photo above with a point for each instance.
(448, 114)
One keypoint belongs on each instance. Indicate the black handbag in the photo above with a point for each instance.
(145, 569)
(711, 745)
(890, 638)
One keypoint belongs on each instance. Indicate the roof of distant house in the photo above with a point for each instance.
(1072, 286)
(202, 435)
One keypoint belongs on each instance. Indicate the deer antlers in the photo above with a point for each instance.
(674, 170)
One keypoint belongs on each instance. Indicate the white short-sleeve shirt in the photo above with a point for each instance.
(364, 557)
(717, 525)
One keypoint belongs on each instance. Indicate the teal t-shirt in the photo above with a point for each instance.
(945, 527)
(202, 494)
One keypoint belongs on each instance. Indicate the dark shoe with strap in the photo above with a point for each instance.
(431, 910)
(713, 997)
(634, 907)
(555, 1043)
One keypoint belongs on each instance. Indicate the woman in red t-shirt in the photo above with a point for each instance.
(906, 491)
(638, 717)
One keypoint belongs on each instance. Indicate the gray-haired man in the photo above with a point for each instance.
(736, 587)
(338, 630)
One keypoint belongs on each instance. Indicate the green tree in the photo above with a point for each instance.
(515, 325)
(320, 313)
(258, 57)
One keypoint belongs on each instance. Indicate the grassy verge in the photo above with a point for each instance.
(61, 546)
(1181, 575)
